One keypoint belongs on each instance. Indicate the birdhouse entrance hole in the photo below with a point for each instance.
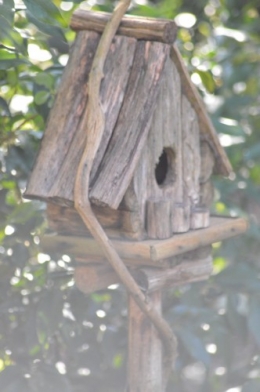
(164, 170)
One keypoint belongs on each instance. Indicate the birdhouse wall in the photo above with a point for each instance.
(175, 166)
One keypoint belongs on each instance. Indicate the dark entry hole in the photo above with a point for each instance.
(164, 170)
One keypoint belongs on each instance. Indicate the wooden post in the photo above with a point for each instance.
(144, 349)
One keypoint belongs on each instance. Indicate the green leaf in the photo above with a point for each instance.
(22, 213)
(45, 11)
(10, 63)
(253, 152)
(5, 107)
(47, 28)
(41, 97)
(207, 80)
(44, 79)
(6, 10)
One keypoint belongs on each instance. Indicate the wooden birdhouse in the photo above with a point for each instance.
(150, 185)
(151, 178)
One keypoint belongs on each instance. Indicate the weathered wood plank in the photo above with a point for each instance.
(66, 221)
(164, 137)
(159, 218)
(223, 165)
(181, 217)
(144, 349)
(82, 256)
(190, 157)
(207, 162)
(199, 218)
(149, 29)
(207, 192)
(64, 117)
(133, 124)
(184, 273)
(220, 229)
(56, 167)
(90, 278)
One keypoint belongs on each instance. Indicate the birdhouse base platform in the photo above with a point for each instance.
(178, 260)
(149, 252)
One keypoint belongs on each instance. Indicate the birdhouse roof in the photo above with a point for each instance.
(132, 75)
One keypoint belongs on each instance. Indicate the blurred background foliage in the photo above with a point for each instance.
(54, 338)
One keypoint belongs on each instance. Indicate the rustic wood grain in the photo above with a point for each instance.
(80, 253)
(207, 193)
(223, 165)
(53, 177)
(64, 118)
(199, 218)
(149, 29)
(129, 136)
(164, 135)
(90, 278)
(144, 349)
(187, 272)
(181, 217)
(118, 223)
(191, 158)
(220, 229)
(159, 218)
(207, 162)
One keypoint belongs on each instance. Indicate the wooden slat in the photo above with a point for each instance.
(133, 125)
(145, 365)
(159, 222)
(66, 221)
(64, 117)
(90, 278)
(191, 154)
(223, 165)
(220, 229)
(207, 162)
(54, 174)
(149, 29)
(165, 133)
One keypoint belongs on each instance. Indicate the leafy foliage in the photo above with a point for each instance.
(52, 336)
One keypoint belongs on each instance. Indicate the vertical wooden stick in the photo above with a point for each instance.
(144, 349)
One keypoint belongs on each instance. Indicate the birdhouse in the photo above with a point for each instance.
(150, 182)
(150, 186)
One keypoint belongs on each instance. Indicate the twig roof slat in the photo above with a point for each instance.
(133, 124)
(57, 162)
(222, 163)
(149, 29)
